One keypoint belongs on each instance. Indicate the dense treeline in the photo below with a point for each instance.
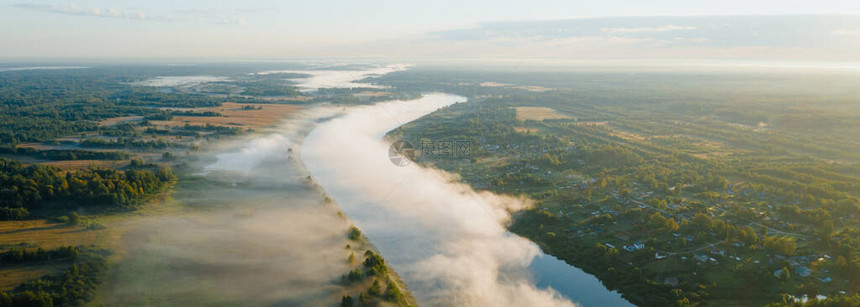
(127, 143)
(65, 154)
(39, 186)
(21, 255)
(169, 114)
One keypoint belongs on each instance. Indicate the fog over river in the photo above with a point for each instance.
(447, 241)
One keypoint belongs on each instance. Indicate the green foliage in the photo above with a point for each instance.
(24, 256)
(75, 287)
(354, 275)
(128, 143)
(393, 293)
(780, 245)
(40, 186)
(375, 289)
(65, 154)
(74, 218)
(168, 156)
(40, 106)
(354, 233)
(11, 214)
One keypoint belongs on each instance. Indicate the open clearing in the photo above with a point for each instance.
(44, 234)
(33, 234)
(11, 277)
(122, 119)
(530, 88)
(537, 113)
(233, 115)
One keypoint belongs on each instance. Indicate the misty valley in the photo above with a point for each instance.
(317, 183)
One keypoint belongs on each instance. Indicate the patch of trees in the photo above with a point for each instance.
(167, 132)
(219, 130)
(169, 114)
(374, 264)
(75, 287)
(13, 214)
(354, 233)
(267, 87)
(374, 269)
(40, 186)
(127, 143)
(21, 255)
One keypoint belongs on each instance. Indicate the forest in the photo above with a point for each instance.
(37, 187)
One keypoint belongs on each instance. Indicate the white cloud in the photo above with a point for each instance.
(193, 15)
(647, 29)
(74, 10)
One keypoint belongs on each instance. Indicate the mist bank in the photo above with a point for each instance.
(326, 78)
(447, 241)
(245, 228)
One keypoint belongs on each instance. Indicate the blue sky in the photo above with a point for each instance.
(227, 28)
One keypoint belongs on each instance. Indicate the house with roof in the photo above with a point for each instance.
(635, 247)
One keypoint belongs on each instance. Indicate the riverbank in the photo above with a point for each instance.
(243, 225)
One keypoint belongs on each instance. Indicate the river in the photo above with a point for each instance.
(447, 241)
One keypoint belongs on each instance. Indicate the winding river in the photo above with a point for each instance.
(447, 241)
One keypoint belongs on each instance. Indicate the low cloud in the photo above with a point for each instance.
(647, 29)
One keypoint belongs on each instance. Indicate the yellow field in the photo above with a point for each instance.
(38, 233)
(115, 120)
(530, 88)
(525, 130)
(627, 135)
(44, 234)
(591, 123)
(11, 277)
(537, 113)
(233, 115)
